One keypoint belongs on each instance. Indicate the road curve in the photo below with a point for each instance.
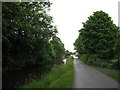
(87, 77)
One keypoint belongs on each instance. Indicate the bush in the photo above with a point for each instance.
(94, 60)
(89, 59)
(114, 63)
(84, 57)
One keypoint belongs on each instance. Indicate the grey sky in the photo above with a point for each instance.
(68, 15)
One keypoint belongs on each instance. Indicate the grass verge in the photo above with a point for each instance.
(97, 64)
(60, 77)
(115, 76)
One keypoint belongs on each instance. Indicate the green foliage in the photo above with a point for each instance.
(96, 62)
(99, 34)
(84, 57)
(117, 46)
(79, 45)
(67, 53)
(60, 77)
(98, 40)
(27, 32)
(58, 49)
(114, 63)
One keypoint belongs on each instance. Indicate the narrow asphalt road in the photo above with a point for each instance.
(87, 77)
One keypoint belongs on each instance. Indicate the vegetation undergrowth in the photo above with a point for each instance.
(99, 63)
(61, 76)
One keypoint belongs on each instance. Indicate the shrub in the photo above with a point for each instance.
(114, 63)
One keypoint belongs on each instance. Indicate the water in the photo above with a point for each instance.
(14, 79)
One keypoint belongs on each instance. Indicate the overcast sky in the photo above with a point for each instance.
(68, 16)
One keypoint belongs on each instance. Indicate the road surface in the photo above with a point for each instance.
(88, 77)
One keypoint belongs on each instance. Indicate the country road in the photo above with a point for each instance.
(87, 77)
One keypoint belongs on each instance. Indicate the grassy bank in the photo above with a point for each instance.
(60, 77)
(115, 76)
(98, 63)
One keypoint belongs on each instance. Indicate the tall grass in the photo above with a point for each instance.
(60, 77)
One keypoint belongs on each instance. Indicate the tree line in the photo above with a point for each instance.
(28, 36)
(98, 42)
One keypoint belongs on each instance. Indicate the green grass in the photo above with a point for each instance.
(60, 77)
(115, 76)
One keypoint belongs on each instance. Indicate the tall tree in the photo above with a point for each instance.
(98, 35)
(58, 48)
(27, 30)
